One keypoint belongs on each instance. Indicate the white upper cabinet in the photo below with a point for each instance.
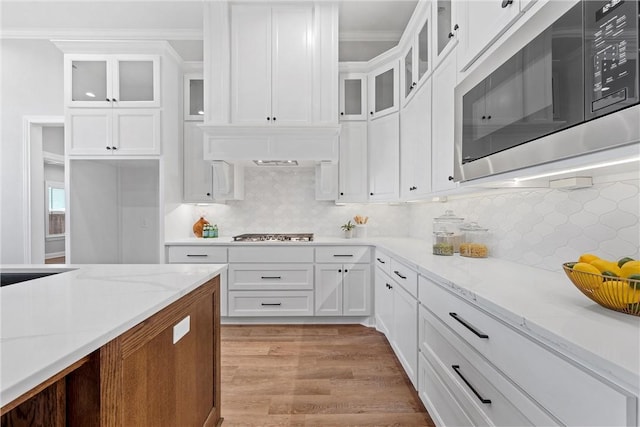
(352, 174)
(353, 96)
(482, 22)
(442, 137)
(445, 28)
(415, 145)
(383, 90)
(126, 81)
(384, 158)
(112, 131)
(416, 61)
(271, 64)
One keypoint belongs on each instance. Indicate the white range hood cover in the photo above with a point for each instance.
(234, 143)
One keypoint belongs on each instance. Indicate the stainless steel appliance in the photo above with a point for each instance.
(571, 90)
(295, 237)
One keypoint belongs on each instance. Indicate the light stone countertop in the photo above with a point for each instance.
(540, 303)
(47, 324)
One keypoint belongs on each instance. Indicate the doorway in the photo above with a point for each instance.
(44, 196)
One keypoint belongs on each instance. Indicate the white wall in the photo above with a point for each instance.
(31, 80)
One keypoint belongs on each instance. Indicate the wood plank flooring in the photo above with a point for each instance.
(314, 375)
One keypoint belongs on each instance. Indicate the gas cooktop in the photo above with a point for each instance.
(297, 237)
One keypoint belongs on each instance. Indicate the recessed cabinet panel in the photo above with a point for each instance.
(250, 65)
(89, 131)
(352, 174)
(197, 172)
(442, 141)
(89, 81)
(136, 131)
(384, 158)
(415, 145)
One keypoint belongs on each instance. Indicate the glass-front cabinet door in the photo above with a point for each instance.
(193, 97)
(353, 96)
(445, 28)
(112, 81)
(383, 90)
(416, 62)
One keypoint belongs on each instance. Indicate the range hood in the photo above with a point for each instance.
(264, 145)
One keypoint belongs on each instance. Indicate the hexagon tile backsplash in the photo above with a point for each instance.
(544, 228)
(541, 228)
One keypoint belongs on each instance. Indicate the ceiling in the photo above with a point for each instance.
(367, 27)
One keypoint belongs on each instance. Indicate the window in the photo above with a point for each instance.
(55, 206)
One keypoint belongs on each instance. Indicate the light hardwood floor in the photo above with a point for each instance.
(314, 375)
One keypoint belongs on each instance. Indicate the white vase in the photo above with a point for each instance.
(348, 234)
(361, 231)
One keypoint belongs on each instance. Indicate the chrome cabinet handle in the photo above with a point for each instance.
(456, 368)
(468, 326)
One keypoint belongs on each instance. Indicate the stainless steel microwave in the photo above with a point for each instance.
(558, 91)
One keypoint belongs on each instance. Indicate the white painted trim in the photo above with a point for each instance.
(53, 255)
(27, 123)
(102, 34)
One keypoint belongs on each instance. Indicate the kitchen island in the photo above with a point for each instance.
(112, 345)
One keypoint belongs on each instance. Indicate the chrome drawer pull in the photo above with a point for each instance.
(468, 326)
(480, 398)
(270, 303)
(380, 261)
(271, 277)
(198, 255)
(347, 255)
(399, 275)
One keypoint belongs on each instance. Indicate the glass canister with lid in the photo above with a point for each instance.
(446, 232)
(475, 241)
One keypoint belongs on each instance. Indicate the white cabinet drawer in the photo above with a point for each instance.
(487, 396)
(571, 394)
(343, 254)
(197, 254)
(383, 261)
(437, 398)
(270, 276)
(405, 276)
(270, 303)
(263, 254)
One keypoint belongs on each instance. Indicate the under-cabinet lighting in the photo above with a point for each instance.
(201, 112)
(580, 169)
(90, 94)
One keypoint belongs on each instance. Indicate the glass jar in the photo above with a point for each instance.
(443, 243)
(448, 223)
(475, 241)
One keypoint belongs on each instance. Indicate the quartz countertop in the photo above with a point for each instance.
(49, 323)
(541, 303)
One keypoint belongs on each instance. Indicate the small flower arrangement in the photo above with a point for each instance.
(348, 226)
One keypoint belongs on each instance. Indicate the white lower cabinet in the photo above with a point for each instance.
(397, 318)
(270, 303)
(343, 290)
(201, 254)
(526, 381)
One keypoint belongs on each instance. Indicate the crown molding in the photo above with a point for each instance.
(370, 36)
(101, 34)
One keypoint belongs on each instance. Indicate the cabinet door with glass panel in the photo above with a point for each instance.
(445, 28)
(193, 97)
(416, 61)
(353, 96)
(383, 90)
(126, 81)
